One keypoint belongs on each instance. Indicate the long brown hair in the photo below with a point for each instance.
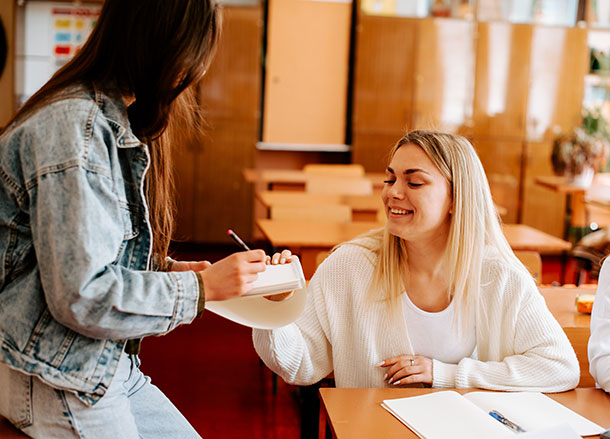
(151, 50)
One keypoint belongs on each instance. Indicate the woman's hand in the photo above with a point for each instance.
(408, 369)
(280, 258)
(232, 276)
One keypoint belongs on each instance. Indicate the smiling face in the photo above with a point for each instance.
(417, 197)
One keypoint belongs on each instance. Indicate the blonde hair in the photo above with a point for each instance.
(475, 224)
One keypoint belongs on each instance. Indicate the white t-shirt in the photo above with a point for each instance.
(437, 335)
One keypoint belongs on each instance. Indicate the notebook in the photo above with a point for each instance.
(278, 278)
(449, 414)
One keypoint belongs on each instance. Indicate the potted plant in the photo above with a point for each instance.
(580, 154)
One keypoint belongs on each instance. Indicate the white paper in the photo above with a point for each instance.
(258, 312)
(533, 411)
(279, 278)
(559, 431)
(445, 415)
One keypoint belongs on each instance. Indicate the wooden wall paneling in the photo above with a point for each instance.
(542, 208)
(502, 79)
(223, 199)
(444, 75)
(383, 88)
(7, 79)
(371, 149)
(307, 72)
(212, 192)
(558, 65)
(384, 73)
(501, 160)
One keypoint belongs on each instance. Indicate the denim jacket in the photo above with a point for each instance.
(75, 246)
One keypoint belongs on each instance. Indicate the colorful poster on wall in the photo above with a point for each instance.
(52, 32)
(71, 28)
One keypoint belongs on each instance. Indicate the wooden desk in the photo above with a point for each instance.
(307, 239)
(522, 237)
(560, 301)
(357, 413)
(364, 207)
(294, 179)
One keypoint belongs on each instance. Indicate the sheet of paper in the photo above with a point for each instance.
(445, 415)
(533, 411)
(258, 312)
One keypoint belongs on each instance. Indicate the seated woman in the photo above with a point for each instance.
(599, 342)
(436, 297)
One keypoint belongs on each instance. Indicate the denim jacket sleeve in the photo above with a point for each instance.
(93, 267)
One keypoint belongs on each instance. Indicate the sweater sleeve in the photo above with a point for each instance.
(300, 353)
(522, 349)
(599, 343)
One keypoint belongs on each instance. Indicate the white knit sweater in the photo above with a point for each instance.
(520, 346)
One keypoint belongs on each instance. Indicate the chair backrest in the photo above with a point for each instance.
(323, 212)
(324, 184)
(344, 170)
(532, 262)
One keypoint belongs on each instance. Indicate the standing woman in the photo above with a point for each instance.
(85, 224)
(436, 298)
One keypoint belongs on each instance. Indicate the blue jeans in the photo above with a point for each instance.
(131, 408)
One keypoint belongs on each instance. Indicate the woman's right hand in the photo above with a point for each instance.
(232, 276)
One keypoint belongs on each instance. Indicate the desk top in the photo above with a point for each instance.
(357, 413)
(296, 177)
(522, 237)
(560, 301)
(288, 233)
(299, 198)
(560, 184)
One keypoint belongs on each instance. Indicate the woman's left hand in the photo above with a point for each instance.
(408, 369)
(285, 257)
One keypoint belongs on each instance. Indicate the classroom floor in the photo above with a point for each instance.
(209, 369)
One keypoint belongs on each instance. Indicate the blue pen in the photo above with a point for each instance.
(498, 417)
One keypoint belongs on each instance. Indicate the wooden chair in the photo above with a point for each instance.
(339, 170)
(7, 431)
(324, 184)
(328, 212)
(533, 263)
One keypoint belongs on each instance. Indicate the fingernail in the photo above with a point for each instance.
(390, 382)
(396, 382)
(282, 260)
(385, 376)
(381, 363)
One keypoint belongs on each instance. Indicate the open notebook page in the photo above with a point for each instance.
(533, 411)
(445, 414)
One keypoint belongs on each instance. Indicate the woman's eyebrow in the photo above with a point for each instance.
(414, 170)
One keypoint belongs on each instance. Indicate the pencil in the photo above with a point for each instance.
(237, 239)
